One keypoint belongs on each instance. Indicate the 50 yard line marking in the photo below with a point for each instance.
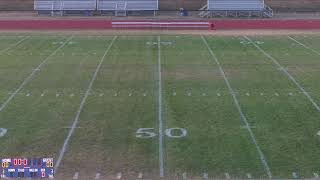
(243, 117)
(27, 79)
(160, 119)
(83, 101)
(286, 73)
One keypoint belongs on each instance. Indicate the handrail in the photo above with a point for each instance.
(94, 5)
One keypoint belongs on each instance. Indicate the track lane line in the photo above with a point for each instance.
(160, 118)
(14, 45)
(301, 88)
(305, 46)
(27, 79)
(243, 117)
(83, 101)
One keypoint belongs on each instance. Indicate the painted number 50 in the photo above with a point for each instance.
(171, 132)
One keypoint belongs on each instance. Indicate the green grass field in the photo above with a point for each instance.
(169, 107)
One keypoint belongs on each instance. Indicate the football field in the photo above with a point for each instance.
(163, 107)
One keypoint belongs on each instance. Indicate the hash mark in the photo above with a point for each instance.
(68, 127)
(294, 175)
(76, 175)
(119, 175)
(227, 175)
(184, 176)
(97, 176)
(205, 176)
(276, 94)
(140, 176)
(247, 127)
(13, 93)
(249, 176)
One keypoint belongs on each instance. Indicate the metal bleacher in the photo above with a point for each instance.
(236, 8)
(130, 5)
(58, 5)
(120, 7)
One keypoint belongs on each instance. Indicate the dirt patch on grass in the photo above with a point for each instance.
(191, 72)
(303, 69)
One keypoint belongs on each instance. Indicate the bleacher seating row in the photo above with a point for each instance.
(250, 5)
(48, 5)
(121, 7)
(236, 8)
(111, 5)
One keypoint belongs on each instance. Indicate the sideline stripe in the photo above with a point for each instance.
(161, 158)
(243, 117)
(305, 46)
(76, 119)
(32, 74)
(15, 44)
(286, 73)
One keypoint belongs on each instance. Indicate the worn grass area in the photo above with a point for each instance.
(118, 127)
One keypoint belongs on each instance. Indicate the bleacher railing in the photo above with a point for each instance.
(64, 5)
(59, 5)
(108, 5)
(254, 5)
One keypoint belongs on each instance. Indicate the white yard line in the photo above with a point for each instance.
(26, 80)
(160, 119)
(305, 46)
(286, 73)
(83, 101)
(243, 117)
(15, 44)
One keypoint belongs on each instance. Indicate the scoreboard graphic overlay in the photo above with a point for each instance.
(27, 167)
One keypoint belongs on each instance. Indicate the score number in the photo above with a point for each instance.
(5, 164)
(49, 163)
(20, 162)
(171, 133)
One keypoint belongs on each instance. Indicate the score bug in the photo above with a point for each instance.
(27, 167)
